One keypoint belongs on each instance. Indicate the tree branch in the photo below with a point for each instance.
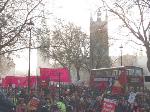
(4, 6)
(22, 26)
(18, 49)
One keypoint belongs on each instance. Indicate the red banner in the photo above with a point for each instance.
(46, 74)
(108, 105)
(18, 81)
(56, 75)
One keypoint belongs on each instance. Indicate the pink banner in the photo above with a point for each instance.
(18, 81)
(56, 75)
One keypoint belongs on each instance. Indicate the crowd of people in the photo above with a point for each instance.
(72, 98)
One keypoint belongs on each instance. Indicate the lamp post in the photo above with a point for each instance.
(121, 47)
(30, 24)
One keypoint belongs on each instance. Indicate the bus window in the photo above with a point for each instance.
(100, 73)
(108, 72)
(118, 72)
(131, 72)
(127, 72)
(114, 73)
(138, 72)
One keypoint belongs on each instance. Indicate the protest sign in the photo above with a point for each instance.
(131, 98)
(108, 105)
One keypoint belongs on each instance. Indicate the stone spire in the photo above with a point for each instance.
(99, 15)
(106, 16)
(91, 18)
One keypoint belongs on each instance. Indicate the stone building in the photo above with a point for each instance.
(99, 46)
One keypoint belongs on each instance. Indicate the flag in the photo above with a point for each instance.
(55, 74)
(123, 77)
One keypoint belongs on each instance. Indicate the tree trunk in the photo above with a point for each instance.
(78, 75)
(148, 58)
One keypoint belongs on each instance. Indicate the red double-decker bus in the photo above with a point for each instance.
(104, 77)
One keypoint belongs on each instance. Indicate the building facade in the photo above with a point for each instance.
(99, 45)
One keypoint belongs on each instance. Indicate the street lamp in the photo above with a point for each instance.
(121, 47)
(30, 24)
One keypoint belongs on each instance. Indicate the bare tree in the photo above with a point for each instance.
(68, 45)
(14, 16)
(134, 15)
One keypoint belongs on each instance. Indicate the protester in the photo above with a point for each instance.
(5, 104)
(61, 105)
(76, 98)
(21, 107)
(33, 104)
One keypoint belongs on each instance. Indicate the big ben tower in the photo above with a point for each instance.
(99, 47)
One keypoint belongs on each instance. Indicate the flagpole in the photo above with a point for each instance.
(29, 29)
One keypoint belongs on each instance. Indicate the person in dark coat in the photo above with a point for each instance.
(5, 104)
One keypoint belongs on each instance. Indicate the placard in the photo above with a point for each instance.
(108, 105)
